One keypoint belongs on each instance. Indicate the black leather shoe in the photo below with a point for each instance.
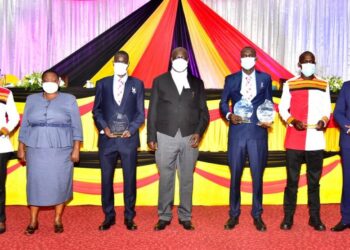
(340, 227)
(317, 224)
(161, 225)
(130, 224)
(231, 223)
(2, 227)
(287, 223)
(31, 229)
(259, 224)
(106, 225)
(58, 228)
(187, 224)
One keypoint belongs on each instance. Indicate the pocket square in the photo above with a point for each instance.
(261, 85)
(133, 90)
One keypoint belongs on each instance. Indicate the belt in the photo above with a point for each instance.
(54, 125)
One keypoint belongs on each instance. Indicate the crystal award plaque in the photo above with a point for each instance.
(118, 124)
(265, 112)
(244, 109)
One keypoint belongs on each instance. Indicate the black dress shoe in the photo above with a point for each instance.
(58, 228)
(231, 223)
(259, 224)
(340, 227)
(130, 224)
(106, 225)
(161, 225)
(317, 224)
(31, 229)
(2, 228)
(287, 223)
(187, 224)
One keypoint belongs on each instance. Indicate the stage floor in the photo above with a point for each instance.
(81, 223)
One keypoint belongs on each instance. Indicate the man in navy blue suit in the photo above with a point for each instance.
(342, 116)
(123, 95)
(246, 139)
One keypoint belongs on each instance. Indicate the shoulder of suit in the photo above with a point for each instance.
(105, 79)
(262, 74)
(134, 79)
(163, 76)
(233, 75)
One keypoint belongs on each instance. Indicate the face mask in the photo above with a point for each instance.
(120, 68)
(308, 69)
(247, 62)
(50, 87)
(179, 65)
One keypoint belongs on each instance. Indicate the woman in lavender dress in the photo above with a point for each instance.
(49, 141)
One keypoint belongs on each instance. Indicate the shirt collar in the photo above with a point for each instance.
(252, 75)
(124, 78)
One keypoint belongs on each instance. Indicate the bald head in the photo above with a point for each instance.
(248, 52)
(179, 52)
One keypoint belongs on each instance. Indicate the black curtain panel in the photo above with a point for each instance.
(84, 63)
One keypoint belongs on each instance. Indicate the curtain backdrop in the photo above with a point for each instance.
(35, 35)
(284, 29)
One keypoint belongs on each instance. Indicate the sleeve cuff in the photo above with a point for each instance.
(290, 120)
(227, 116)
(325, 120)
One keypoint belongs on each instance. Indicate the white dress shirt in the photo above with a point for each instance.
(116, 85)
(244, 85)
(180, 79)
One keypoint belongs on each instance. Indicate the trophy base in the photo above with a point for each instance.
(117, 134)
(311, 126)
(245, 121)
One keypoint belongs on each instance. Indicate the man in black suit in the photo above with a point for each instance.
(177, 118)
(120, 95)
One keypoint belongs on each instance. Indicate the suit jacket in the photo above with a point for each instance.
(168, 111)
(342, 114)
(132, 106)
(232, 92)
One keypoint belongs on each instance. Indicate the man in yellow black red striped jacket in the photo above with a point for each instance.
(8, 121)
(305, 106)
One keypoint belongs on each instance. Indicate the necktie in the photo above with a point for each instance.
(120, 90)
(249, 88)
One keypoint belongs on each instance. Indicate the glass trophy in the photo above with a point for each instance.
(118, 124)
(265, 112)
(244, 109)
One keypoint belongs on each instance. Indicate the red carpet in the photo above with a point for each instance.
(81, 232)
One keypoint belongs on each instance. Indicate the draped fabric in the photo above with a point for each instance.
(284, 29)
(181, 38)
(35, 35)
(86, 61)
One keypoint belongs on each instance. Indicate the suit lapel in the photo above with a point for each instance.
(239, 84)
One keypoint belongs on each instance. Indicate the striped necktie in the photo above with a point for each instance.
(120, 91)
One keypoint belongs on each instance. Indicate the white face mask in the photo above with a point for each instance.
(50, 87)
(179, 65)
(247, 62)
(120, 68)
(308, 69)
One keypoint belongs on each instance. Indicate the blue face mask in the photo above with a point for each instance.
(308, 69)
